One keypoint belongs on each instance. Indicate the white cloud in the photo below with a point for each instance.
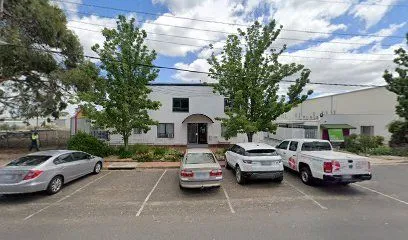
(70, 7)
(372, 11)
(197, 65)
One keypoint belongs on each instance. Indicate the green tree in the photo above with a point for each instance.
(30, 84)
(121, 100)
(398, 84)
(250, 78)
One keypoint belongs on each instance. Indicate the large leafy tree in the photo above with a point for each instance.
(31, 74)
(398, 83)
(248, 72)
(120, 101)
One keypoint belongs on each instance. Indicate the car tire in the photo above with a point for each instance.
(278, 179)
(306, 176)
(227, 166)
(239, 176)
(55, 185)
(97, 168)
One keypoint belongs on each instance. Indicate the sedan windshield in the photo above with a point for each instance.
(29, 161)
(261, 152)
(316, 146)
(199, 158)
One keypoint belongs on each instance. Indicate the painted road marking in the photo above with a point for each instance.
(228, 200)
(307, 196)
(383, 194)
(150, 193)
(62, 199)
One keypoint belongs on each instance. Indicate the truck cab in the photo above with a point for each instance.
(315, 159)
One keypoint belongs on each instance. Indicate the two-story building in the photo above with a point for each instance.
(187, 115)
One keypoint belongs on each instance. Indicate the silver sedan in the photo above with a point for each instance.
(199, 168)
(46, 170)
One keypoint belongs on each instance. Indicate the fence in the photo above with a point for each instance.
(21, 139)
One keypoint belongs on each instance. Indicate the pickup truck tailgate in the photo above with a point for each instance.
(343, 163)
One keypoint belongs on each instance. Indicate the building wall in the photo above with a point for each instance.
(368, 107)
(202, 100)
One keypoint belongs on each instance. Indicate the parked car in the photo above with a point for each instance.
(199, 168)
(315, 159)
(254, 160)
(46, 170)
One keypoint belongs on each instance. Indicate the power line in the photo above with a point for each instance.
(283, 55)
(217, 22)
(223, 32)
(201, 72)
(215, 41)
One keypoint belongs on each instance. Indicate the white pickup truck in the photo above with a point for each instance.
(315, 159)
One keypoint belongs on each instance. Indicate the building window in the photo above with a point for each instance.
(137, 131)
(367, 130)
(180, 104)
(227, 104)
(165, 130)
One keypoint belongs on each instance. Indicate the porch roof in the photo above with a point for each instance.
(337, 126)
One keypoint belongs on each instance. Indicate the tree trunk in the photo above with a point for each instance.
(250, 135)
(126, 140)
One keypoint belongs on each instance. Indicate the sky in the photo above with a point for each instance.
(340, 41)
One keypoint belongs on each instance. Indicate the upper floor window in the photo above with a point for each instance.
(227, 104)
(180, 104)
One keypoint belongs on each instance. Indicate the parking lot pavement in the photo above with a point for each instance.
(148, 204)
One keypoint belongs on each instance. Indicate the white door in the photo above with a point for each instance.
(291, 155)
(282, 151)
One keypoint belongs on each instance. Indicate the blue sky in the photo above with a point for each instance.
(382, 17)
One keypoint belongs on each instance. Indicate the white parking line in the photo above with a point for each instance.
(228, 200)
(307, 196)
(62, 199)
(150, 193)
(383, 194)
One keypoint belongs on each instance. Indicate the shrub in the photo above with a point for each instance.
(159, 151)
(360, 143)
(88, 143)
(144, 157)
(139, 148)
(399, 134)
(382, 150)
(123, 153)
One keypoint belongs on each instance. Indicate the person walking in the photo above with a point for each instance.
(34, 141)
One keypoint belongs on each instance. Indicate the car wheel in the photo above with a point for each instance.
(278, 179)
(97, 168)
(227, 166)
(239, 176)
(306, 176)
(55, 185)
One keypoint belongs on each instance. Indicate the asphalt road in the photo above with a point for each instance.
(149, 205)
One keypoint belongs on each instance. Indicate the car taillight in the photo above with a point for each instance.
(327, 167)
(186, 173)
(32, 174)
(216, 173)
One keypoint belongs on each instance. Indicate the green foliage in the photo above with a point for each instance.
(362, 144)
(8, 127)
(123, 96)
(88, 143)
(30, 75)
(382, 150)
(399, 133)
(123, 153)
(250, 78)
(398, 83)
(159, 151)
(139, 148)
(144, 153)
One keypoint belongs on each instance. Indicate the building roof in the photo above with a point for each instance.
(180, 84)
(358, 90)
(336, 126)
(252, 145)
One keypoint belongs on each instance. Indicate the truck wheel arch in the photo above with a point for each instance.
(302, 165)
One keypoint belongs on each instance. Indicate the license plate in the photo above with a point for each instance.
(266, 163)
(347, 177)
(201, 175)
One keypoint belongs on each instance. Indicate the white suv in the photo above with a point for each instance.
(254, 160)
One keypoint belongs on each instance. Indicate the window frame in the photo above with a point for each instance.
(290, 145)
(180, 108)
(166, 135)
(278, 147)
(55, 161)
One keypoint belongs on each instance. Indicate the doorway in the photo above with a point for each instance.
(196, 133)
